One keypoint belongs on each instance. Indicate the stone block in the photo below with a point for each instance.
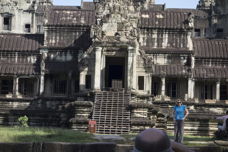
(210, 101)
(226, 101)
(16, 147)
(71, 147)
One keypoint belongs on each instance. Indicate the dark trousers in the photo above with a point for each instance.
(179, 131)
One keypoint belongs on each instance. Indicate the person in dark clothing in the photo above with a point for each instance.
(155, 140)
(180, 113)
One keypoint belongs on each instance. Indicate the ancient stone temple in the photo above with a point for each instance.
(122, 63)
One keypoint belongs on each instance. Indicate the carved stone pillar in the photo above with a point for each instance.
(131, 69)
(15, 86)
(103, 65)
(148, 83)
(193, 62)
(82, 81)
(218, 90)
(163, 86)
(191, 88)
(189, 41)
(97, 70)
(69, 84)
(41, 84)
(42, 70)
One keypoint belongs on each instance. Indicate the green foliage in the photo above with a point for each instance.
(23, 121)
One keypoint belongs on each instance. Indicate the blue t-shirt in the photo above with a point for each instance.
(179, 112)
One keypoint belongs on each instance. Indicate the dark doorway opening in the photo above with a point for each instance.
(115, 72)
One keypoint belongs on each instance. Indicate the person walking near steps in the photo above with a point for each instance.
(180, 113)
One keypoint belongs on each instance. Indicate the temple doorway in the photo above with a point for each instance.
(115, 72)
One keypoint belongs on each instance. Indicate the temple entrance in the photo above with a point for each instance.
(115, 72)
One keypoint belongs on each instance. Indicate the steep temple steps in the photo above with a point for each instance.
(111, 113)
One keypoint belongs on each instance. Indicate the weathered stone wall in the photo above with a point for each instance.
(201, 119)
(68, 37)
(145, 115)
(57, 147)
(221, 8)
(45, 112)
(21, 13)
(155, 38)
(89, 147)
(81, 112)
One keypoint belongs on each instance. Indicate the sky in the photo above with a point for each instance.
(169, 3)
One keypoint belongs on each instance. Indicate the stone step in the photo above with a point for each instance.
(111, 113)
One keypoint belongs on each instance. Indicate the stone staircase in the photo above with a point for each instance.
(111, 113)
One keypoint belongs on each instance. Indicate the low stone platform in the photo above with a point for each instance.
(222, 143)
(114, 138)
(57, 147)
(87, 147)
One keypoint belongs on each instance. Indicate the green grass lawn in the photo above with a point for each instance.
(17, 134)
(35, 134)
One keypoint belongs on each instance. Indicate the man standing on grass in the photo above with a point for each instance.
(180, 113)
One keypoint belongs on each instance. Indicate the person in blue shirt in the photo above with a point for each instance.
(180, 113)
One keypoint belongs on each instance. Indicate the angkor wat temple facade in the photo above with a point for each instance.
(122, 63)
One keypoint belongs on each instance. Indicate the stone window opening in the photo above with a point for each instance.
(223, 92)
(7, 23)
(88, 81)
(6, 86)
(60, 87)
(197, 33)
(207, 91)
(26, 86)
(27, 28)
(40, 29)
(141, 82)
(219, 32)
(76, 85)
(155, 88)
(172, 89)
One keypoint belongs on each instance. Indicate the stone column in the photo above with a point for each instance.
(193, 62)
(103, 61)
(37, 92)
(148, 83)
(189, 41)
(131, 69)
(97, 70)
(82, 81)
(163, 86)
(41, 84)
(33, 25)
(165, 39)
(191, 88)
(15, 86)
(218, 90)
(69, 84)
(42, 70)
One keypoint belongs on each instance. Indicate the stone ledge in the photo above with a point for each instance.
(57, 147)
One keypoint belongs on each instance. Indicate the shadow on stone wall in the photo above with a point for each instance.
(89, 147)
(57, 147)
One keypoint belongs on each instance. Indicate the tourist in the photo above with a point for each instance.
(180, 113)
(154, 140)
